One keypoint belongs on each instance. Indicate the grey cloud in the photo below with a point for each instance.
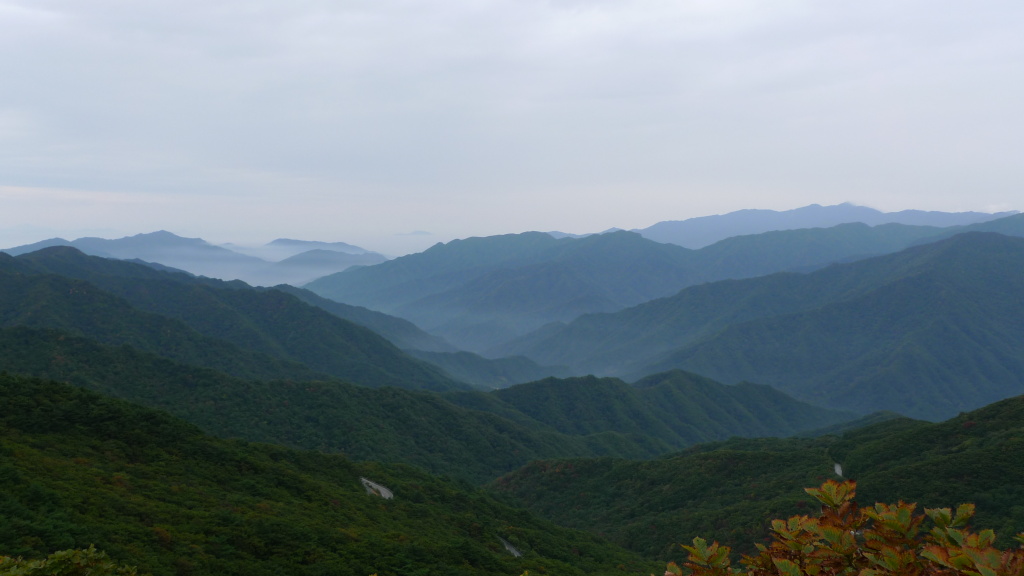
(457, 111)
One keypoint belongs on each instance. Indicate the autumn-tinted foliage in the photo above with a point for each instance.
(883, 540)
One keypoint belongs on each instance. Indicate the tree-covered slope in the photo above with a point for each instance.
(945, 337)
(398, 331)
(80, 308)
(472, 435)
(381, 424)
(928, 331)
(267, 322)
(727, 491)
(613, 343)
(153, 491)
(679, 407)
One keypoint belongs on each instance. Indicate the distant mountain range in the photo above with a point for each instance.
(282, 261)
(527, 302)
(283, 248)
(706, 230)
(481, 293)
(928, 332)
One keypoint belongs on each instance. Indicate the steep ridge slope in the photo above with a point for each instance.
(843, 323)
(267, 322)
(947, 336)
(485, 373)
(481, 291)
(79, 308)
(610, 343)
(398, 331)
(386, 286)
(599, 273)
(481, 303)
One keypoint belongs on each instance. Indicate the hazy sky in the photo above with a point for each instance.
(363, 121)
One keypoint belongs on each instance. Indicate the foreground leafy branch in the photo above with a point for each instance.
(883, 540)
(89, 562)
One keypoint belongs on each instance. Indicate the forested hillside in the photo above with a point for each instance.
(928, 331)
(944, 337)
(221, 325)
(726, 491)
(154, 492)
(472, 435)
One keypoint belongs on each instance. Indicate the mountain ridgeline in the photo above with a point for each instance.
(479, 292)
(929, 332)
(281, 261)
(482, 293)
(706, 230)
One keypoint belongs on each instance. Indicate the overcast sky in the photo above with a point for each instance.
(364, 121)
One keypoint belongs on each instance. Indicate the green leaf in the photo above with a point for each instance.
(787, 567)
